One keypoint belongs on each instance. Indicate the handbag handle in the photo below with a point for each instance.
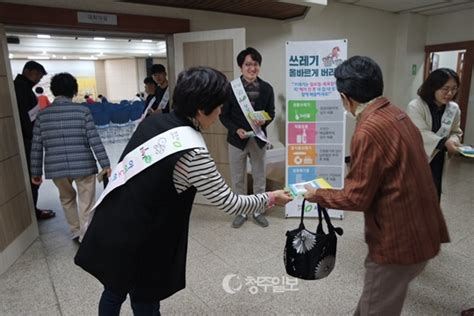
(331, 228)
(324, 212)
(302, 214)
(321, 212)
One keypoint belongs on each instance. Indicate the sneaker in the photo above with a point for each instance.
(260, 220)
(239, 220)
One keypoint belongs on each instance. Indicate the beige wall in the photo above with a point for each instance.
(409, 51)
(100, 80)
(450, 27)
(17, 226)
(121, 77)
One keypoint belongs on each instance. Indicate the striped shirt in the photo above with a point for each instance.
(197, 168)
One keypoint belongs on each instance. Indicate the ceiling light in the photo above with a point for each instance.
(161, 45)
(43, 36)
(54, 56)
(10, 56)
(64, 57)
(88, 58)
(147, 40)
(99, 38)
(38, 57)
(149, 54)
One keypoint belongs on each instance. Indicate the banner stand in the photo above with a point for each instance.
(315, 118)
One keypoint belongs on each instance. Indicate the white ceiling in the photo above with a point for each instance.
(424, 7)
(82, 47)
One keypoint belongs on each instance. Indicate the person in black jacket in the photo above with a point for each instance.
(28, 108)
(136, 242)
(158, 73)
(151, 102)
(240, 135)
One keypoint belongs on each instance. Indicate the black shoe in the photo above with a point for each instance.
(44, 214)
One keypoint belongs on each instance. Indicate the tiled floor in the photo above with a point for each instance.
(45, 281)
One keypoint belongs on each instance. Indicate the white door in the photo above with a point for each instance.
(217, 49)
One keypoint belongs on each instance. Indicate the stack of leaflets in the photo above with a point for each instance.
(259, 116)
(467, 151)
(298, 189)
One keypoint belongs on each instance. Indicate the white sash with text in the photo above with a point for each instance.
(246, 106)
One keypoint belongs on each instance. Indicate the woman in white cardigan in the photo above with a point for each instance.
(438, 118)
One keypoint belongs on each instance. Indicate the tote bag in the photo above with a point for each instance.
(308, 255)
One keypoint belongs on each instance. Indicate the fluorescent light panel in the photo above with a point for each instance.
(99, 38)
(43, 36)
(38, 57)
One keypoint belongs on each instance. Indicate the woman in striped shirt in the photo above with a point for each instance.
(136, 242)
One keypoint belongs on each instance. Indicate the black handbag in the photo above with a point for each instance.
(311, 256)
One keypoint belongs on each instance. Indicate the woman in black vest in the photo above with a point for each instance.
(136, 242)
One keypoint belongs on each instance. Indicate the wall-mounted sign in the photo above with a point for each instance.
(96, 18)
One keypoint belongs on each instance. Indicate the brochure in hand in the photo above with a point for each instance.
(259, 116)
(298, 189)
(467, 151)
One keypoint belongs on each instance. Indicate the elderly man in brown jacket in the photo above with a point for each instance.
(390, 181)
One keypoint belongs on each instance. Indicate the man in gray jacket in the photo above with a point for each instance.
(66, 132)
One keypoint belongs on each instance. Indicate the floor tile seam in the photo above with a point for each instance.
(221, 246)
(199, 298)
(18, 261)
(200, 243)
(52, 282)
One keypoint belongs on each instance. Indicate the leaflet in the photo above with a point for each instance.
(467, 151)
(298, 189)
(259, 116)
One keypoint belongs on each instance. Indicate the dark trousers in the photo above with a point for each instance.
(110, 304)
(34, 187)
(437, 165)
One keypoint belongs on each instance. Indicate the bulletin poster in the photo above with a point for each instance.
(315, 119)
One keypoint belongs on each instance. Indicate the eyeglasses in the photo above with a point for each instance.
(248, 65)
(446, 90)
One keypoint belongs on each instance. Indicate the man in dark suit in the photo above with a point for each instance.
(28, 108)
